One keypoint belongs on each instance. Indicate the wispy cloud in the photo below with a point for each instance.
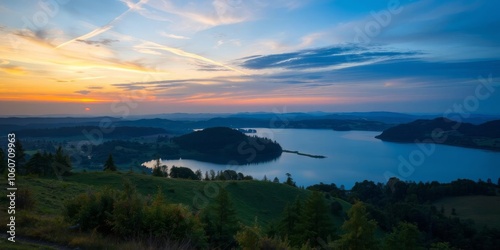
(155, 46)
(106, 27)
(347, 55)
(13, 70)
(83, 92)
(209, 67)
(104, 42)
(173, 36)
(38, 52)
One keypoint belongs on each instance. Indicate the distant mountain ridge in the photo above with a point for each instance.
(181, 123)
(445, 131)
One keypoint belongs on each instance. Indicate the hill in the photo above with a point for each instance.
(45, 220)
(226, 146)
(483, 210)
(265, 200)
(79, 131)
(445, 131)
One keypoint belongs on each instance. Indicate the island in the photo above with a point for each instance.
(445, 131)
(223, 145)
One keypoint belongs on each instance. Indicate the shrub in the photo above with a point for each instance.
(126, 215)
(24, 199)
(92, 211)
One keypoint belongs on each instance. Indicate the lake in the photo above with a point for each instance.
(354, 156)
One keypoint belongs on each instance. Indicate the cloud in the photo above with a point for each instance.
(106, 27)
(13, 70)
(163, 33)
(155, 46)
(218, 12)
(39, 52)
(433, 26)
(97, 43)
(209, 67)
(83, 92)
(325, 57)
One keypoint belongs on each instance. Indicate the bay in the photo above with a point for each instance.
(354, 156)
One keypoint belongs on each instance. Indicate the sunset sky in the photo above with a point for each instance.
(82, 57)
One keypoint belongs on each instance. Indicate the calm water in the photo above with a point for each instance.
(356, 156)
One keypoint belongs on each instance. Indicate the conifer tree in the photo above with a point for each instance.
(61, 163)
(315, 219)
(360, 232)
(20, 157)
(222, 223)
(289, 181)
(405, 236)
(110, 164)
(289, 224)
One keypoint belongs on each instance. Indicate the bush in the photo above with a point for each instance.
(92, 211)
(172, 222)
(24, 199)
(126, 215)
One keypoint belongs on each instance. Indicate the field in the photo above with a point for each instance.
(484, 210)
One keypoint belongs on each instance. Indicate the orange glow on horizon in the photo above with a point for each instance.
(52, 99)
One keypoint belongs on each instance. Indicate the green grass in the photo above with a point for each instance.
(251, 199)
(483, 210)
(7, 245)
(265, 200)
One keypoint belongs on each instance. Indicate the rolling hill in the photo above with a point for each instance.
(445, 131)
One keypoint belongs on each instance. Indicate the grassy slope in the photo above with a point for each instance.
(7, 245)
(484, 210)
(264, 200)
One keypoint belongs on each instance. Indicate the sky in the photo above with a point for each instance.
(132, 57)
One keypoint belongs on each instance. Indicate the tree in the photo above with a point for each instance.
(315, 220)
(222, 222)
(164, 169)
(160, 170)
(183, 173)
(289, 224)
(128, 212)
(240, 176)
(34, 164)
(336, 208)
(207, 178)
(20, 157)
(39, 164)
(265, 178)
(110, 164)
(289, 180)
(404, 237)
(276, 180)
(157, 172)
(249, 237)
(199, 174)
(61, 163)
(212, 174)
(229, 175)
(360, 232)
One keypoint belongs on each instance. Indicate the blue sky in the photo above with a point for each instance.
(163, 56)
